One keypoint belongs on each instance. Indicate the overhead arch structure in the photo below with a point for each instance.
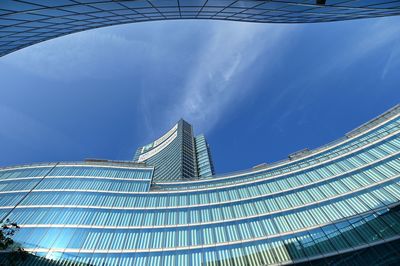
(26, 22)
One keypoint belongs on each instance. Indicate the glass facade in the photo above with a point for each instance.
(23, 23)
(177, 154)
(323, 206)
(205, 166)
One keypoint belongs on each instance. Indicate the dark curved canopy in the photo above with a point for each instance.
(26, 22)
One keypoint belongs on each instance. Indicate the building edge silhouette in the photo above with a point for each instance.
(24, 23)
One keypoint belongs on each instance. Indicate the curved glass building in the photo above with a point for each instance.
(177, 154)
(337, 203)
(26, 22)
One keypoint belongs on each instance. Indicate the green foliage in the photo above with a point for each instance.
(8, 230)
(12, 255)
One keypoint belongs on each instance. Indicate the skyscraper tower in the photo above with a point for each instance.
(177, 154)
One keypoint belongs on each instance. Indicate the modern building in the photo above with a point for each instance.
(205, 165)
(177, 154)
(336, 204)
(24, 23)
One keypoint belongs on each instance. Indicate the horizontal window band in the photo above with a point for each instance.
(78, 164)
(259, 197)
(221, 245)
(163, 228)
(250, 217)
(77, 177)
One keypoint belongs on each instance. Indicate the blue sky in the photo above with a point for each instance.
(257, 91)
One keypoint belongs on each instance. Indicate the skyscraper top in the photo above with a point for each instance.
(177, 154)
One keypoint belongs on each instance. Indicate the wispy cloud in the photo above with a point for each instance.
(222, 73)
(361, 44)
(217, 75)
(146, 114)
(371, 38)
(80, 55)
(392, 61)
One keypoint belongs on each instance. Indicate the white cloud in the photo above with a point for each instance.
(373, 36)
(222, 74)
(369, 38)
(146, 114)
(392, 61)
(216, 76)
